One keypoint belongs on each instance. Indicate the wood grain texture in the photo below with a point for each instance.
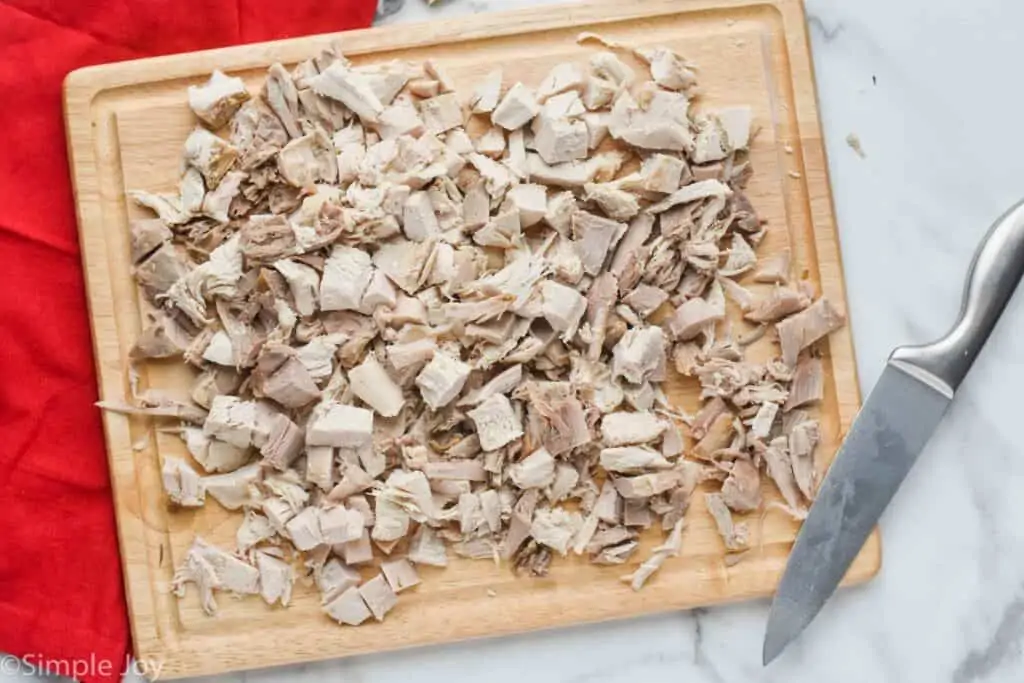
(126, 123)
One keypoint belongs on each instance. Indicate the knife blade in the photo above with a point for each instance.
(900, 415)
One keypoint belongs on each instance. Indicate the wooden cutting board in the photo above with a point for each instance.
(126, 123)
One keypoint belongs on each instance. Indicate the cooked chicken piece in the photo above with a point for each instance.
(358, 552)
(559, 212)
(307, 160)
(594, 237)
(625, 429)
(562, 78)
(400, 119)
(573, 174)
(340, 426)
(598, 93)
(632, 460)
(217, 100)
(255, 529)
(442, 379)
(487, 94)
(470, 470)
(735, 536)
(496, 422)
(808, 383)
(147, 235)
(718, 436)
(352, 89)
(670, 548)
(516, 109)
(276, 579)
(802, 329)
(702, 189)
(400, 574)
(741, 258)
(441, 113)
(497, 177)
(476, 207)
(283, 98)
(281, 376)
(668, 69)
(182, 484)
(167, 207)
(231, 420)
(530, 201)
(617, 204)
(606, 65)
(672, 443)
(536, 471)
(348, 608)
(693, 317)
(559, 140)
(347, 274)
(761, 425)
(340, 525)
(803, 438)
(405, 263)
(371, 383)
(423, 87)
(647, 485)
(645, 299)
(502, 383)
(597, 128)
(211, 568)
(774, 269)
(427, 549)
(640, 355)
(555, 528)
(661, 124)
(563, 307)
(304, 529)
(741, 490)
(334, 578)
(210, 155)
(491, 143)
(780, 303)
(502, 231)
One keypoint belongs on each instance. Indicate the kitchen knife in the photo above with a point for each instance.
(897, 419)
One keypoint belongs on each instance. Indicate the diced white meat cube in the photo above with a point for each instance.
(378, 596)
(232, 420)
(304, 529)
(496, 422)
(442, 379)
(400, 574)
(516, 109)
(563, 307)
(347, 273)
(340, 426)
(371, 383)
(348, 608)
(531, 201)
(535, 471)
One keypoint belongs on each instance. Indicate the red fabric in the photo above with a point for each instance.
(61, 595)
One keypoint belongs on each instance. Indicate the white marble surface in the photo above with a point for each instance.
(943, 136)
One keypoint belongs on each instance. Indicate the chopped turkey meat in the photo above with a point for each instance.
(802, 329)
(516, 109)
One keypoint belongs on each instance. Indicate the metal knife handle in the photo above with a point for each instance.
(995, 270)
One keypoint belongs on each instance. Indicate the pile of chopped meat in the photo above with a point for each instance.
(425, 322)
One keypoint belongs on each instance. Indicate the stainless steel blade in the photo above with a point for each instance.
(884, 441)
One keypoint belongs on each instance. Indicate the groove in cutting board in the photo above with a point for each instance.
(126, 124)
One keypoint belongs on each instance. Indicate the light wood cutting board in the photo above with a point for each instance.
(126, 123)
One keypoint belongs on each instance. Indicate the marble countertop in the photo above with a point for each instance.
(925, 86)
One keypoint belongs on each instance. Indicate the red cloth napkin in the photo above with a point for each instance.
(61, 596)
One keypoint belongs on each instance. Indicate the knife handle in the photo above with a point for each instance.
(995, 270)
